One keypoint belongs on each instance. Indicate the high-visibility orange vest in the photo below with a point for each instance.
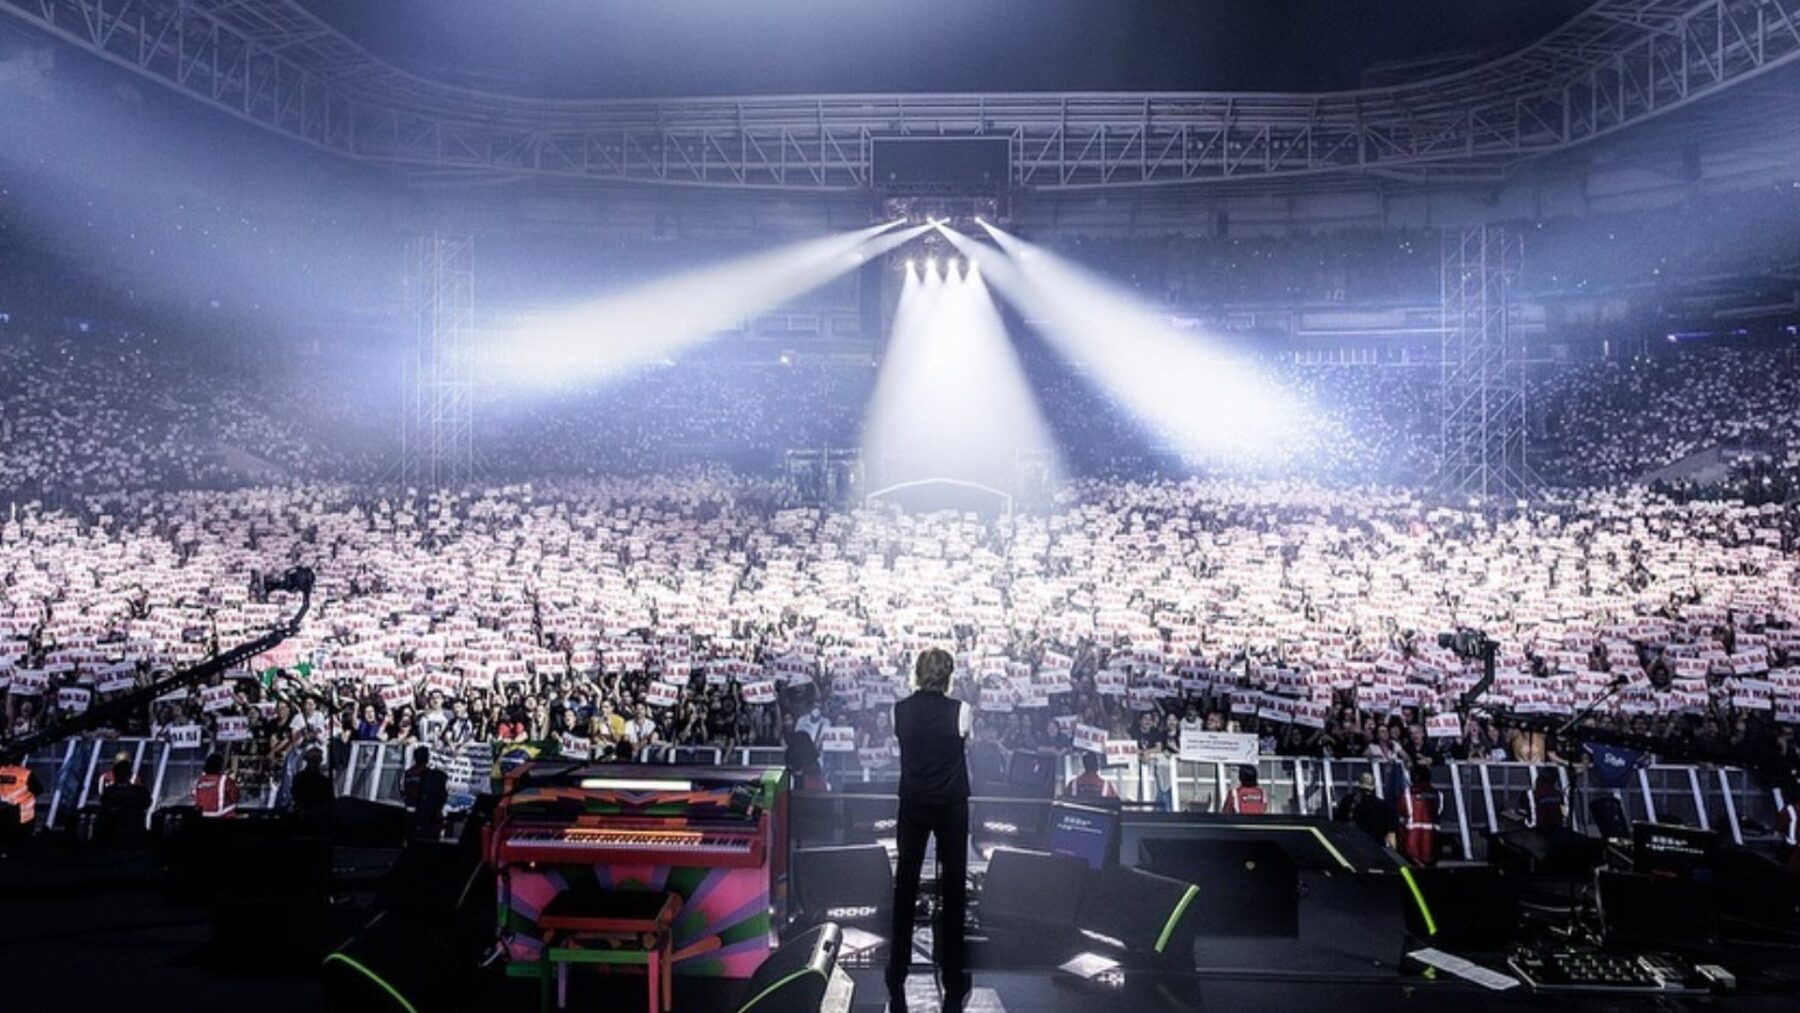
(15, 788)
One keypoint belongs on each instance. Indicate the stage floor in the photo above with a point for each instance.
(95, 932)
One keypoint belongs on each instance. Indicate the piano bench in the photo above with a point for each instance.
(615, 927)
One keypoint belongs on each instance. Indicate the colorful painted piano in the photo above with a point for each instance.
(716, 836)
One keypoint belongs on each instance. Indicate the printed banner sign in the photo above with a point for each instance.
(1443, 726)
(30, 681)
(837, 739)
(1200, 746)
(1120, 751)
(1090, 738)
(116, 684)
(215, 698)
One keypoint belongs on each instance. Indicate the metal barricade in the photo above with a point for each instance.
(1479, 798)
(181, 770)
(1197, 786)
(1337, 778)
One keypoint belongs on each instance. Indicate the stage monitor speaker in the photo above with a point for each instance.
(1608, 814)
(1252, 887)
(853, 884)
(1031, 774)
(395, 964)
(1032, 890)
(1656, 912)
(1553, 852)
(795, 978)
(427, 881)
(1755, 889)
(1472, 907)
(359, 823)
(1141, 912)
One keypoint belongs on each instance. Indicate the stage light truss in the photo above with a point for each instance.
(1484, 458)
(437, 438)
(273, 63)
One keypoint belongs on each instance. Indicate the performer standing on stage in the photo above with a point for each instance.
(934, 801)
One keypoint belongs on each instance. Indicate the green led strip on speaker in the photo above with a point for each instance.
(1174, 918)
(1419, 899)
(764, 994)
(376, 978)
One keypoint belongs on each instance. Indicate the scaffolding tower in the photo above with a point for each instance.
(437, 436)
(1482, 395)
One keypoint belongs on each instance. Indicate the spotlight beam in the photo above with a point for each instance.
(1199, 400)
(650, 322)
(951, 401)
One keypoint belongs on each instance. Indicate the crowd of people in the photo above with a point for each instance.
(83, 414)
(630, 573)
(611, 616)
(1619, 421)
(1649, 250)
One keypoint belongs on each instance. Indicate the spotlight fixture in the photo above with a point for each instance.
(911, 264)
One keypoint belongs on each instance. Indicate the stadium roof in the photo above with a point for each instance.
(279, 64)
(637, 49)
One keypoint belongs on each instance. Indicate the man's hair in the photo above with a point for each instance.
(422, 754)
(1247, 775)
(121, 771)
(1090, 761)
(932, 670)
(215, 763)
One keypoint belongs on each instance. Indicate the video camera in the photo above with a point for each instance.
(1468, 644)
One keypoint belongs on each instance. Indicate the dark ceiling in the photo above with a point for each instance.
(634, 48)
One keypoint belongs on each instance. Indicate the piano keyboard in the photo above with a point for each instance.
(627, 845)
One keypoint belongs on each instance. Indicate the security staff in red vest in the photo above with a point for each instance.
(1549, 807)
(216, 792)
(934, 802)
(19, 789)
(1247, 799)
(1419, 807)
(1089, 783)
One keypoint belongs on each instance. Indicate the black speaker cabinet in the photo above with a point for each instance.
(1145, 914)
(1031, 890)
(795, 978)
(396, 963)
(1250, 886)
(852, 884)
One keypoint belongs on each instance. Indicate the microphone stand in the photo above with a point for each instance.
(1619, 682)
